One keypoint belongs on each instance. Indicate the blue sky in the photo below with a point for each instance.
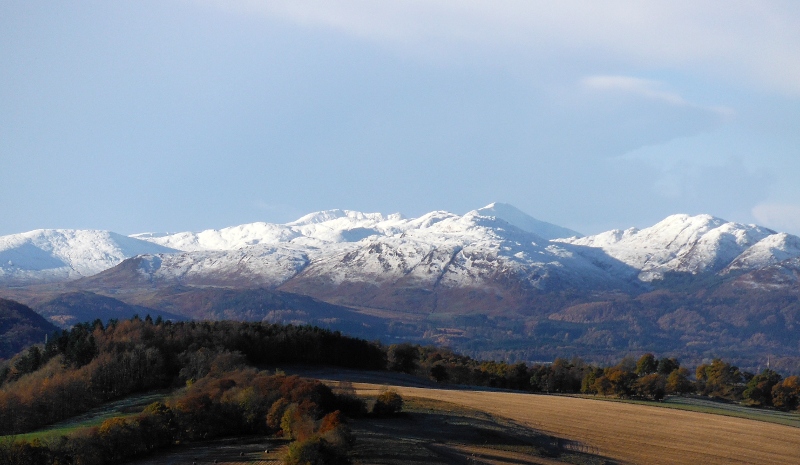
(177, 115)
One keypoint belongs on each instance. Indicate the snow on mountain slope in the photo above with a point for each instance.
(313, 230)
(768, 251)
(46, 255)
(525, 222)
(496, 243)
(784, 274)
(260, 265)
(231, 238)
(334, 247)
(339, 226)
(679, 243)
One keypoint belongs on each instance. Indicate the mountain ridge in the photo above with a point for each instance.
(52, 255)
(493, 241)
(688, 286)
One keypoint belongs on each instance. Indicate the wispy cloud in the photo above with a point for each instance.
(744, 43)
(648, 89)
(641, 87)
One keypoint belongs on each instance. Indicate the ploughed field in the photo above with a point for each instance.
(628, 433)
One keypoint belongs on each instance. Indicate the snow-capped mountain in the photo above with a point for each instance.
(47, 255)
(493, 247)
(491, 279)
(342, 226)
(694, 245)
(313, 230)
(334, 247)
(768, 251)
(525, 222)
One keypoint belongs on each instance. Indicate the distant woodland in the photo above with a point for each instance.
(743, 326)
(644, 378)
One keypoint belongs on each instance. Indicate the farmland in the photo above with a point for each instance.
(70, 383)
(629, 433)
(430, 432)
(444, 426)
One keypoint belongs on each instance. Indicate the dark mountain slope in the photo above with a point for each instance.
(68, 309)
(20, 327)
(212, 303)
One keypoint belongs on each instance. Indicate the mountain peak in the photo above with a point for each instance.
(335, 214)
(689, 244)
(522, 220)
(696, 221)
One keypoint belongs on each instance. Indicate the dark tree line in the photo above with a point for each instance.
(766, 389)
(645, 378)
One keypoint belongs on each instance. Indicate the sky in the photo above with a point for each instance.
(178, 115)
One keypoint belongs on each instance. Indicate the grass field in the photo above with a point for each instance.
(630, 433)
(95, 417)
(695, 404)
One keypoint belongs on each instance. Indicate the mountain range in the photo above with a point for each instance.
(495, 264)
(439, 249)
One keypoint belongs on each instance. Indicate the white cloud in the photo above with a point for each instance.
(642, 87)
(650, 90)
(783, 217)
(742, 42)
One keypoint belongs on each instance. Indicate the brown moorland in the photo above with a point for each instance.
(630, 433)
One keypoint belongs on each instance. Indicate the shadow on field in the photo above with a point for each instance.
(431, 432)
(229, 451)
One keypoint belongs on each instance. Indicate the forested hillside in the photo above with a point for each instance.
(68, 309)
(94, 363)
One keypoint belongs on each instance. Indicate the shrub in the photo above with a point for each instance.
(350, 405)
(389, 402)
(314, 451)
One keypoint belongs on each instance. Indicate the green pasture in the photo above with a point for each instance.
(126, 407)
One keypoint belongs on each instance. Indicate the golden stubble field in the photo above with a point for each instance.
(630, 433)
